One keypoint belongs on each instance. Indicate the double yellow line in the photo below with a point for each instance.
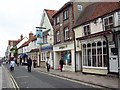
(15, 85)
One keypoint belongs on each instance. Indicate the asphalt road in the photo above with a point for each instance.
(36, 79)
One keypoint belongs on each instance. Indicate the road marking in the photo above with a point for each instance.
(22, 76)
(95, 86)
(14, 83)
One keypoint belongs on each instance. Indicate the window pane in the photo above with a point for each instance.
(93, 51)
(106, 21)
(104, 42)
(110, 19)
(106, 27)
(93, 44)
(88, 45)
(105, 60)
(99, 60)
(104, 50)
(99, 44)
(89, 57)
(94, 61)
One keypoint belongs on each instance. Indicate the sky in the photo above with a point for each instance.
(21, 17)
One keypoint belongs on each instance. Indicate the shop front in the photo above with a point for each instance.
(99, 55)
(65, 51)
(47, 51)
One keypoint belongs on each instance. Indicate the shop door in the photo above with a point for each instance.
(113, 59)
(78, 61)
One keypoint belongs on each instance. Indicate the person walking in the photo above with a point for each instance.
(48, 64)
(34, 63)
(29, 64)
(12, 64)
(61, 64)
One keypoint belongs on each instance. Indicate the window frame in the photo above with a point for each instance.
(109, 24)
(66, 30)
(58, 36)
(66, 14)
(57, 19)
(85, 31)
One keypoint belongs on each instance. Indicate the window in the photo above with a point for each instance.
(86, 30)
(45, 39)
(94, 54)
(79, 7)
(44, 56)
(66, 57)
(57, 20)
(66, 33)
(108, 22)
(65, 15)
(58, 36)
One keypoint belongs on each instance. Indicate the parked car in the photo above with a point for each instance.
(24, 63)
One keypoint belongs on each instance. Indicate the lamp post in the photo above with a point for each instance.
(39, 35)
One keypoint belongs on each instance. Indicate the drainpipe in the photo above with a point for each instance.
(107, 46)
(74, 50)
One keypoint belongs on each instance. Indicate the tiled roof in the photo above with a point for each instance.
(96, 10)
(27, 42)
(63, 7)
(50, 13)
(15, 42)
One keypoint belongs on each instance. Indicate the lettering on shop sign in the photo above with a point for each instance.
(62, 47)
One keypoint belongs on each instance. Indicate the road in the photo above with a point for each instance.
(37, 79)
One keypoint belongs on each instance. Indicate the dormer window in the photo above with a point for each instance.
(86, 29)
(79, 7)
(65, 15)
(108, 22)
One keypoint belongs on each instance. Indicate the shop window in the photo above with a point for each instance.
(99, 54)
(84, 55)
(94, 54)
(66, 57)
(89, 57)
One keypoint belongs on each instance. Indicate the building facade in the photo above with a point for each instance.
(64, 45)
(48, 38)
(93, 32)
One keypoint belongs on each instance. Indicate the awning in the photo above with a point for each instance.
(23, 55)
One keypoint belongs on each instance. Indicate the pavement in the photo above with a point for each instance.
(98, 80)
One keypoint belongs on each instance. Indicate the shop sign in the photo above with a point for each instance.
(62, 47)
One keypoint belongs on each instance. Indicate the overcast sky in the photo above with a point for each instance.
(21, 17)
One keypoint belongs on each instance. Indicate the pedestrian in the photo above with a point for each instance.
(12, 64)
(34, 63)
(48, 64)
(61, 64)
(29, 64)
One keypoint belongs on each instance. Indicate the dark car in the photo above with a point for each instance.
(24, 63)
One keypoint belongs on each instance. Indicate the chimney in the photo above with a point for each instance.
(30, 35)
(21, 37)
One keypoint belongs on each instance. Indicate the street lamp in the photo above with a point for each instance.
(39, 36)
